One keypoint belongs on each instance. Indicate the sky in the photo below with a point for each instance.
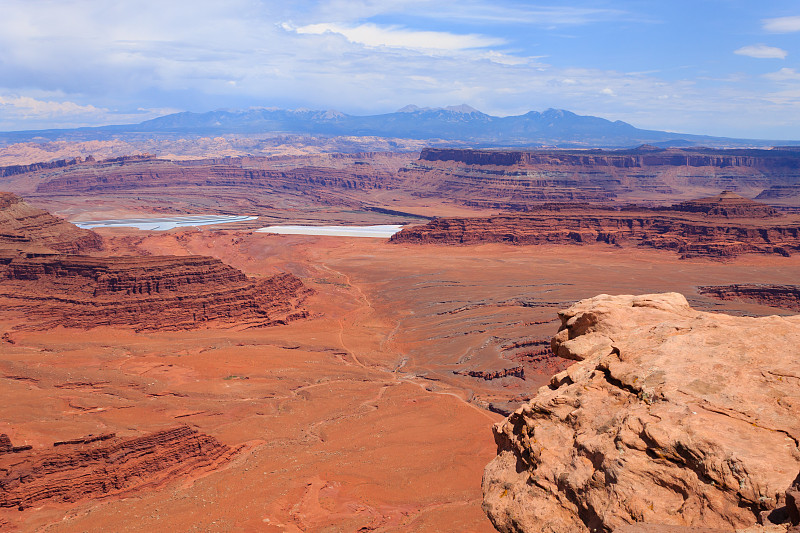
(716, 67)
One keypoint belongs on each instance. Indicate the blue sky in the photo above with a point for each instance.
(719, 67)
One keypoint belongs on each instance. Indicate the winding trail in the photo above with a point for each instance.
(395, 374)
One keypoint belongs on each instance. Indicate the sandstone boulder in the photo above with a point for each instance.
(671, 416)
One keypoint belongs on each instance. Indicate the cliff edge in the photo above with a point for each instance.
(671, 416)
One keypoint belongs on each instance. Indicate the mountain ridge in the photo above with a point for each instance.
(454, 124)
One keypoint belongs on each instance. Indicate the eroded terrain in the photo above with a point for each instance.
(329, 407)
(371, 411)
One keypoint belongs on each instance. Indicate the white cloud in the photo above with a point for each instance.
(397, 37)
(27, 106)
(784, 74)
(47, 112)
(782, 24)
(762, 51)
(608, 91)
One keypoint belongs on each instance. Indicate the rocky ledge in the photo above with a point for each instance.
(23, 226)
(151, 292)
(685, 233)
(783, 296)
(671, 417)
(99, 466)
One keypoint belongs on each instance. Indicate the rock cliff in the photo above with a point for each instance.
(642, 157)
(515, 179)
(685, 233)
(729, 205)
(152, 292)
(105, 465)
(139, 174)
(23, 226)
(670, 416)
(783, 296)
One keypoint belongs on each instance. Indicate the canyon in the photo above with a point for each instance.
(516, 180)
(434, 182)
(52, 288)
(284, 378)
(679, 229)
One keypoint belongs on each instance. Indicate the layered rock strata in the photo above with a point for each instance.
(123, 174)
(90, 468)
(23, 227)
(783, 296)
(152, 292)
(671, 416)
(729, 205)
(516, 180)
(685, 234)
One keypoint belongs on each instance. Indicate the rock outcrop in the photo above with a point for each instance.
(644, 156)
(686, 233)
(151, 292)
(52, 288)
(515, 180)
(252, 174)
(727, 204)
(508, 180)
(24, 227)
(783, 296)
(670, 416)
(95, 467)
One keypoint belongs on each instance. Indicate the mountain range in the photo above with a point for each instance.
(455, 124)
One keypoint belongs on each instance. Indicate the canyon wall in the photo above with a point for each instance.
(513, 180)
(490, 179)
(689, 236)
(671, 417)
(50, 288)
(253, 173)
(788, 160)
(23, 226)
(104, 465)
(152, 292)
(783, 296)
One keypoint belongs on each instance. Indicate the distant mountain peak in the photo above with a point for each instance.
(455, 124)
(463, 108)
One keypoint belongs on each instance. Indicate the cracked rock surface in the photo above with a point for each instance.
(671, 416)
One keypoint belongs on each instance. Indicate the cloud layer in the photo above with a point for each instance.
(80, 62)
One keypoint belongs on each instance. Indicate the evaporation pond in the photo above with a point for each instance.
(383, 232)
(163, 223)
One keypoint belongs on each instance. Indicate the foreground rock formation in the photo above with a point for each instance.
(689, 234)
(671, 416)
(103, 465)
